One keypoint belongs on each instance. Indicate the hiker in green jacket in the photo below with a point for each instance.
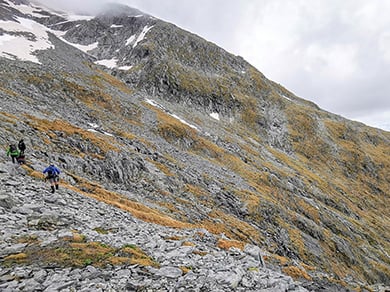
(13, 152)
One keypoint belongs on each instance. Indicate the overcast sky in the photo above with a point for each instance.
(334, 53)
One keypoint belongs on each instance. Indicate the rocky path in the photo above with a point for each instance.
(29, 211)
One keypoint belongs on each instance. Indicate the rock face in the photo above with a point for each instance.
(181, 164)
(34, 219)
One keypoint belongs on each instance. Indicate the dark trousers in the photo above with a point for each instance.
(14, 158)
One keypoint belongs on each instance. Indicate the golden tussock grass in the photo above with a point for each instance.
(33, 173)
(115, 82)
(136, 209)
(231, 226)
(309, 211)
(105, 143)
(73, 252)
(227, 244)
(8, 118)
(296, 273)
(188, 243)
(197, 191)
(162, 167)
(297, 241)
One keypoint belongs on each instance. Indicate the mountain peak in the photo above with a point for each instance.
(117, 9)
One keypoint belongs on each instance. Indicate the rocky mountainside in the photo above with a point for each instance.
(183, 167)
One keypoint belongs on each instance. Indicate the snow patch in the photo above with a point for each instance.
(215, 116)
(84, 48)
(155, 104)
(27, 9)
(287, 97)
(130, 40)
(22, 46)
(109, 63)
(76, 17)
(116, 26)
(125, 68)
(93, 125)
(142, 35)
(184, 122)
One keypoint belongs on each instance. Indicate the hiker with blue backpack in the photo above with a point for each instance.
(52, 174)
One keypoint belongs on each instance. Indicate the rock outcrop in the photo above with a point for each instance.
(181, 164)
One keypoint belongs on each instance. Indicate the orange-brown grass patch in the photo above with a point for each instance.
(19, 257)
(8, 118)
(250, 115)
(309, 211)
(126, 135)
(95, 99)
(49, 127)
(231, 226)
(308, 267)
(185, 270)
(8, 91)
(307, 175)
(197, 191)
(28, 239)
(138, 256)
(297, 241)
(296, 273)
(251, 199)
(227, 244)
(115, 82)
(283, 261)
(173, 209)
(162, 167)
(199, 252)
(174, 237)
(188, 243)
(138, 210)
(33, 173)
(175, 132)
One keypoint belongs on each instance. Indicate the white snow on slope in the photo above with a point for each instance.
(20, 46)
(75, 17)
(109, 63)
(155, 104)
(215, 116)
(142, 35)
(84, 48)
(125, 68)
(27, 9)
(116, 26)
(130, 40)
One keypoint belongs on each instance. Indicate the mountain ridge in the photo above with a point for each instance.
(204, 138)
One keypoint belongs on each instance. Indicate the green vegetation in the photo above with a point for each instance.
(78, 252)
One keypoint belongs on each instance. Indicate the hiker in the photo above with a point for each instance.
(21, 146)
(21, 159)
(13, 152)
(52, 174)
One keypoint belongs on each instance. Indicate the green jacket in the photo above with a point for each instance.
(13, 153)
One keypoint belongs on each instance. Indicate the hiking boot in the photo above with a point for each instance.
(56, 187)
(52, 189)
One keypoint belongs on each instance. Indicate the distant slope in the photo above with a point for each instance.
(136, 105)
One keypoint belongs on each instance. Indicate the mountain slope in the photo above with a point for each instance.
(132, 107)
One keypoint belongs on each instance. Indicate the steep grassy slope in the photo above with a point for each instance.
(313, 194)
(308, 186)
